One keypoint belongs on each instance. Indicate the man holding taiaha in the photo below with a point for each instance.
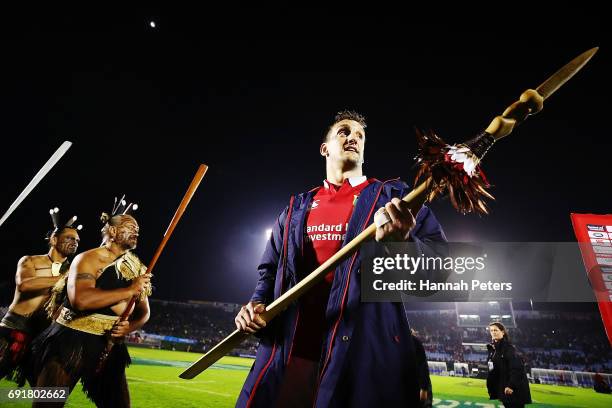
(101, 282)
(330, 349)
(36, 279)
(443, 169)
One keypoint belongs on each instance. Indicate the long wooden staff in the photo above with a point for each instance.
(530, 102)
(173, 223)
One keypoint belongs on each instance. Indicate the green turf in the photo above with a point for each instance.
(154, 382)
(464, 392)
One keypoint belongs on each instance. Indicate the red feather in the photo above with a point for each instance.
(467, 193)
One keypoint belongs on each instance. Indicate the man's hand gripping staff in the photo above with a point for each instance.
(138, 286)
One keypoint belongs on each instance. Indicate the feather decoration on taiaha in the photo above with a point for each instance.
(455, 170)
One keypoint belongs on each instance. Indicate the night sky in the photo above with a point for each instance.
(145, 105)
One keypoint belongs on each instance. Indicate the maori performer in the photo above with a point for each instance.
(39, 281)
(101, 282)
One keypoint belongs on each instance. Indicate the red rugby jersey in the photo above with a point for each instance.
(324, 233)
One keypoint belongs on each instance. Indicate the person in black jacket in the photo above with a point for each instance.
(507, 380)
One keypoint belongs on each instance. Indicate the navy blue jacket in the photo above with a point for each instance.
(368, 356)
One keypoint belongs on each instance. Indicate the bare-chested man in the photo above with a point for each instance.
(101, 282)
(26, 317)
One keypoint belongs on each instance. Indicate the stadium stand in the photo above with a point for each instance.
(558, 347)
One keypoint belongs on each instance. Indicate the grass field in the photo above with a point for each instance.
(154, 382)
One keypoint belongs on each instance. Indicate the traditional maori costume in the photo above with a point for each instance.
(71, 348)
(17, 331)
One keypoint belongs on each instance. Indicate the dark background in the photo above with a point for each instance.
(251, 94)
